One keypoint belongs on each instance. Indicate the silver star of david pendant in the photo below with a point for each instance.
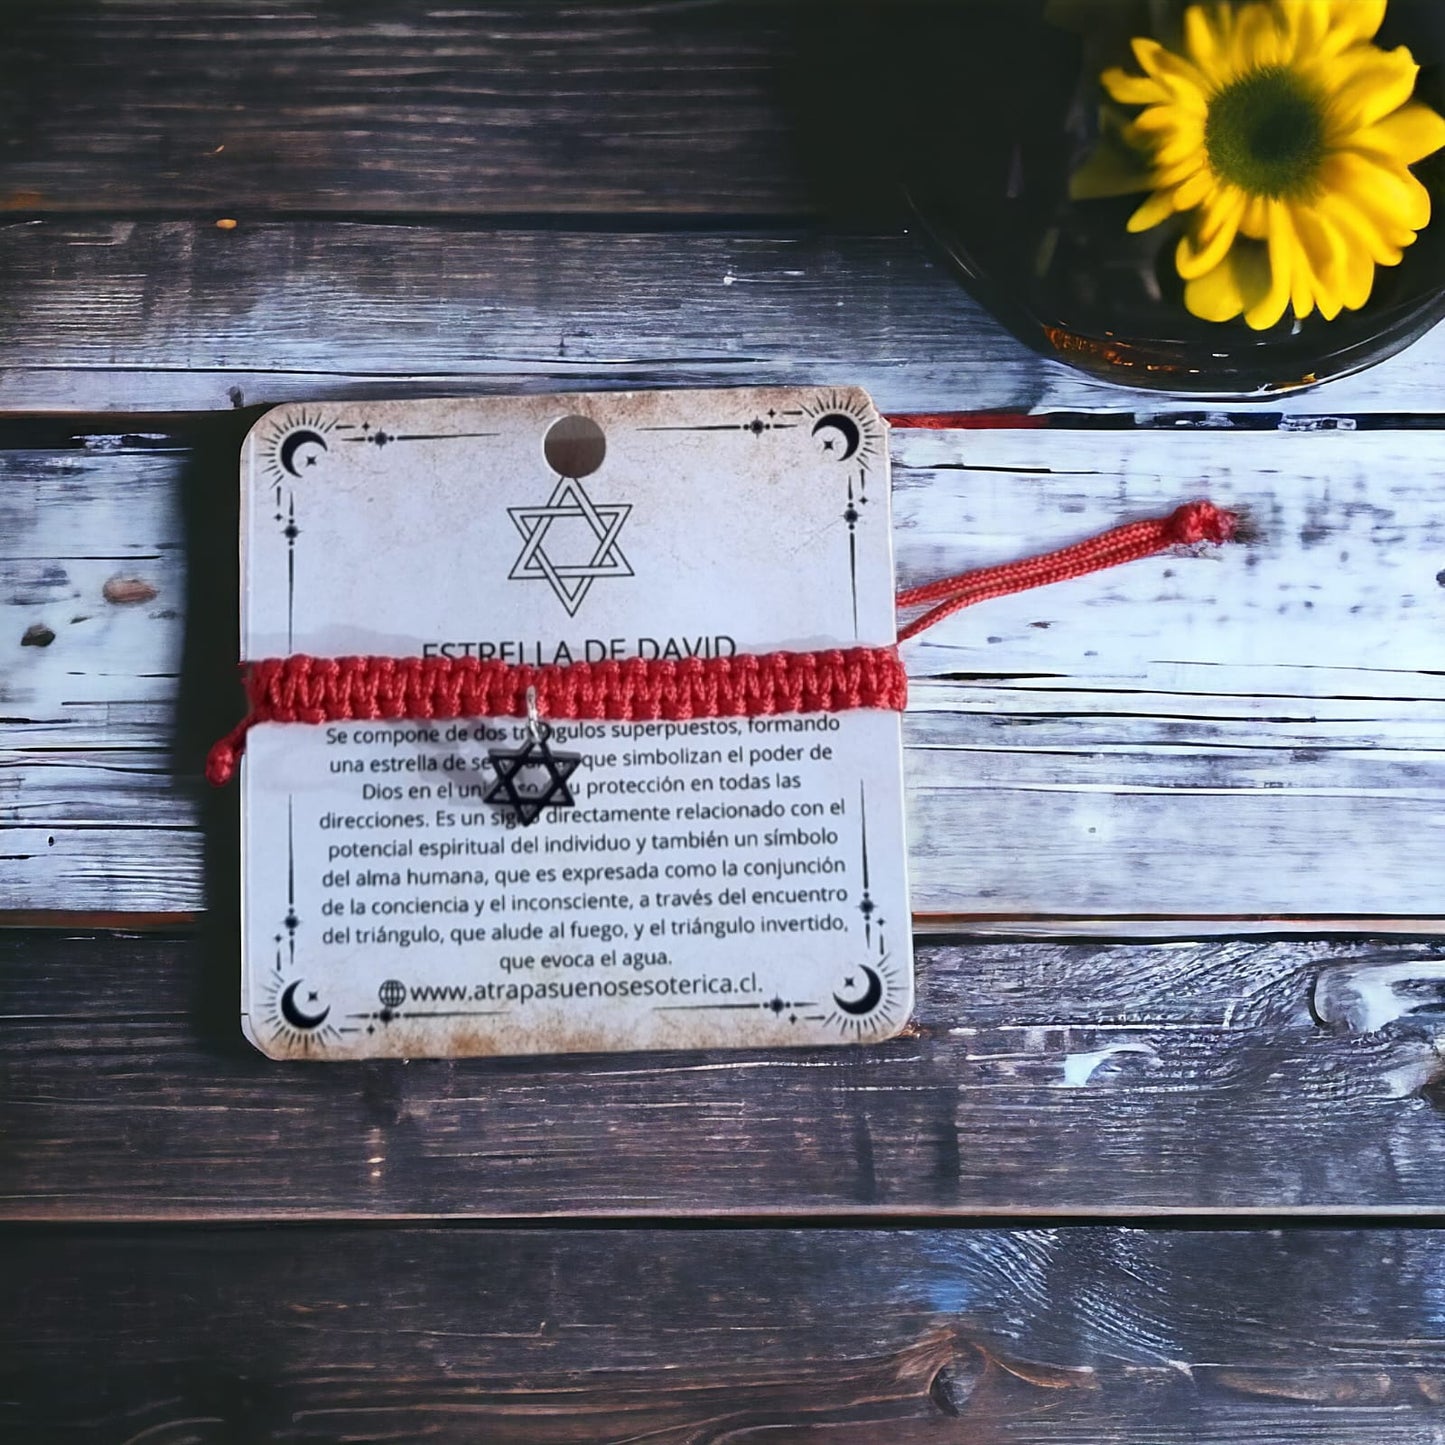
(518, 785)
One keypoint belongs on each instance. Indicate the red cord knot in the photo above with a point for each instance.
(1197, 522)
(222, 759)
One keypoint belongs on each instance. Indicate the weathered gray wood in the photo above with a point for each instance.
(1188, 744)
(1036, 1078)
(1041, 1337)
(152, 316)
(211, 108)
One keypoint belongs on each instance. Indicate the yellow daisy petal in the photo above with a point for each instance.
(1388, 194)
(1338, 267)
(1305, 22)
(1366, 86)
(1323, 247)
(1216, 296)
(1185, 144)
(1260, 36)
(1354, 22)
(1175, 172)
(1133, 89)
(1301, 287)
(1222, 16)
(1159, 207)
(1409, 135)
(1328, 301)
(1205, 45)
(1282, 247)
(1376, 244)
(1162, 120)
(1164, 65)
(1236, 283)
(1223, 209)
(1302, 297)
(1190, 193)
(1328, 256)
(1358, 271)
(1255, 221)
(1206, 244)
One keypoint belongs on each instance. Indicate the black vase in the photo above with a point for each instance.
(994, 104)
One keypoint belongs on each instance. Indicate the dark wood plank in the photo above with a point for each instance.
(991, 1337)
(1038, 1078)
(463, 106)
(177, 316)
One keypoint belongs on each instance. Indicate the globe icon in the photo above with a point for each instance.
(392, 993)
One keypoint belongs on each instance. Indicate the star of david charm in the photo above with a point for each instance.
(517, 786)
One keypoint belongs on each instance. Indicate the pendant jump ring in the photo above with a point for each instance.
(537, 730)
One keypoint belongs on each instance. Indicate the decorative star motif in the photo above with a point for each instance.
(509, 791)
(571, 581)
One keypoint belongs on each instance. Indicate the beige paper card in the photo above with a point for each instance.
(725, 883)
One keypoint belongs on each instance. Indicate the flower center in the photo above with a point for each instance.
(1266, 133)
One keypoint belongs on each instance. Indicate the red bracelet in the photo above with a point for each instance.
(301, 689)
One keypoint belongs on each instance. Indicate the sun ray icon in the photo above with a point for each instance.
(869, 1000)
(294, 443)
(845, 428)
(297, 1016)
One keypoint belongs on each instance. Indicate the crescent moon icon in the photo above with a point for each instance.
(859, 1006)
(293, 443)
(294, 1016)
(844, 424)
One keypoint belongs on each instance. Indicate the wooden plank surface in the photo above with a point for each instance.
(1052, 1079)
(1189, 744)
(991, 1337)
(114, 314)
(397, 175)
(465, 106)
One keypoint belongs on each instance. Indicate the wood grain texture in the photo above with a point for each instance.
(471, 108)
(1187, 744)
(1035, 1078)
(1044, 1077)
(162, 316)
(991, 1337)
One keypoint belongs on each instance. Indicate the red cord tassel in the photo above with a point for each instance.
(1189, 525)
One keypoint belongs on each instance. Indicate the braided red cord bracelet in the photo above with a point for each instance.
(302, 689)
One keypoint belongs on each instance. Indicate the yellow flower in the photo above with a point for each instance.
(1285, 137)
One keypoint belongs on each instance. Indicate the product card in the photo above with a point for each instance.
(727, 882)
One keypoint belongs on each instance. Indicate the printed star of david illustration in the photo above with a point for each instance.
(529, 802)
(571, 581)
